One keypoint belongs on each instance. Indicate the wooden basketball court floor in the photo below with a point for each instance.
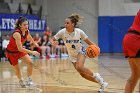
(57, 75)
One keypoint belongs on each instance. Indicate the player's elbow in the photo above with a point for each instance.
(20, 49)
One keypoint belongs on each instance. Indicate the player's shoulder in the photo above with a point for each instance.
(16, 33)
(62, 32)
(78, 30)
(63, 29)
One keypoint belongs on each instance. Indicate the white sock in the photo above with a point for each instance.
(98, 78)
(93, 75)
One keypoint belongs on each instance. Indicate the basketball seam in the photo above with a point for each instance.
(92, 53)
(88, 53)
(97, 49)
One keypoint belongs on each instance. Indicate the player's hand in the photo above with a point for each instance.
(36, 45)
(35, 53)
(54, 43)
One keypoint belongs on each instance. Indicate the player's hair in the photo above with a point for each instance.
(76, 19)
(20, 20)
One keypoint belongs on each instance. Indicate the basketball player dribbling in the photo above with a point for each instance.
(131, 47)
(72, 38)
(16, 51)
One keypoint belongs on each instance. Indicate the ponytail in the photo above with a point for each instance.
(76, 19)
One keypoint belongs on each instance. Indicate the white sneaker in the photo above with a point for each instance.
(66, 55)
(22, 84)
(103, 86)
(52, 56)
(30, 82)
(43, 57)
(62, 55)
(101, 81)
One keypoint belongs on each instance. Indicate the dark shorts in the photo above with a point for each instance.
(13, 57)
(131, 44)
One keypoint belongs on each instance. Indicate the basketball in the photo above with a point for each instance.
(92, 51)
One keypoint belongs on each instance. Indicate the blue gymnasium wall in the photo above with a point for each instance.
(111, 30)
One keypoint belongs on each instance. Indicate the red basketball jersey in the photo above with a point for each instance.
(136, 23)
(12, 44)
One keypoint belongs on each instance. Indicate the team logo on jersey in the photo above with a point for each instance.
(72, 41)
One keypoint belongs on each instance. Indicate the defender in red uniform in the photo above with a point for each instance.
(131, 47)
(16, 51)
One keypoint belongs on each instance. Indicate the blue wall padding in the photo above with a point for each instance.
(111, 30)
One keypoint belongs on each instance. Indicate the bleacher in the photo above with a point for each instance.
(19, 7)
(27, 7)
(4, 8)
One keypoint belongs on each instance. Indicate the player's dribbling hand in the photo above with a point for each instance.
(35, 53)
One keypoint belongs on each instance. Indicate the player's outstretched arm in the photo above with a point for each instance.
(17, 38)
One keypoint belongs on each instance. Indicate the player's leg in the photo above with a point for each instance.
(138, 66)
(29, 63)
(13, 59)
(87, 74)
(84, 72)
(135, 74)
(18, 74)
(17, 71)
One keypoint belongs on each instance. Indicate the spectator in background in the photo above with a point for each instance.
(5, 42)
(48, 32)
(1, 51)
(63, 49)
(54, 49)
(27, 45)
(37, 39)
(45, 48)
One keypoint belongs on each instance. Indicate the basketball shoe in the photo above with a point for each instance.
(101, 81)
(22, 84)
(103, 86)
(30, 82)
